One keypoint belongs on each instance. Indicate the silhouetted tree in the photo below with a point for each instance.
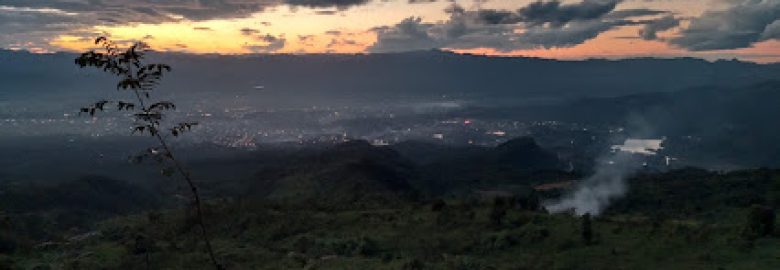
(140, 79)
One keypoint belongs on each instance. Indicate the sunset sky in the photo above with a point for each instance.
(572, 29)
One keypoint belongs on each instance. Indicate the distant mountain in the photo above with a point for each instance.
(332, 80)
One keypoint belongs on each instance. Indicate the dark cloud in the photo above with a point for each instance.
(557, 14)
(150, 11)
(339, 4)
(336, 42)
(325, 12)
(571, 35)
(249, 31)
(492, 16)
(201, 28)
(421, 1)
(772, 31)
(305, 39)
(33, 27)
(538, 25)
(651, 29)
(37, 20)
(271, 44)
(739, 26)
(640, 12)
(409, 34)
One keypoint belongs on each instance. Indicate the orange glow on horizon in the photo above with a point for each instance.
(305, 32)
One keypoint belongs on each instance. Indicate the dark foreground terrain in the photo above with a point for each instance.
(355, 206)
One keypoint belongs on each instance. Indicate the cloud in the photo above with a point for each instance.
(421, 1)
(149, 11)
(39, 22)
(271, 44)
(651, 29)
(640, 12)
(570, 35)
(537, 25)
(772, 31)
(558, 14)
(84, 13)
(339, 4)
(492, 16)
(739, 26)
(326, 12)
(33, 27)
(409, 34)
(249, 31)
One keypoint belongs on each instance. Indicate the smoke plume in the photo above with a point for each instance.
(595, 193)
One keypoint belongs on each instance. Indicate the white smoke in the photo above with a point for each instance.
(595, 193)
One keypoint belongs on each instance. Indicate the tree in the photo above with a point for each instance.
(140, 79)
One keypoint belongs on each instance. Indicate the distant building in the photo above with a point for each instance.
(640, 146)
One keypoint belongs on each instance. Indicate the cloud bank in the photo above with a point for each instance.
(548, 24)
(740, 26)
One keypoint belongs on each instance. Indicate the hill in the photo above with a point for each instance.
(519, 162)
(347, 173)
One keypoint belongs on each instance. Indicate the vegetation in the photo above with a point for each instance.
(442, 232)
(141, 79)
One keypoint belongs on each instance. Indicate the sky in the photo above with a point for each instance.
(569, 29)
